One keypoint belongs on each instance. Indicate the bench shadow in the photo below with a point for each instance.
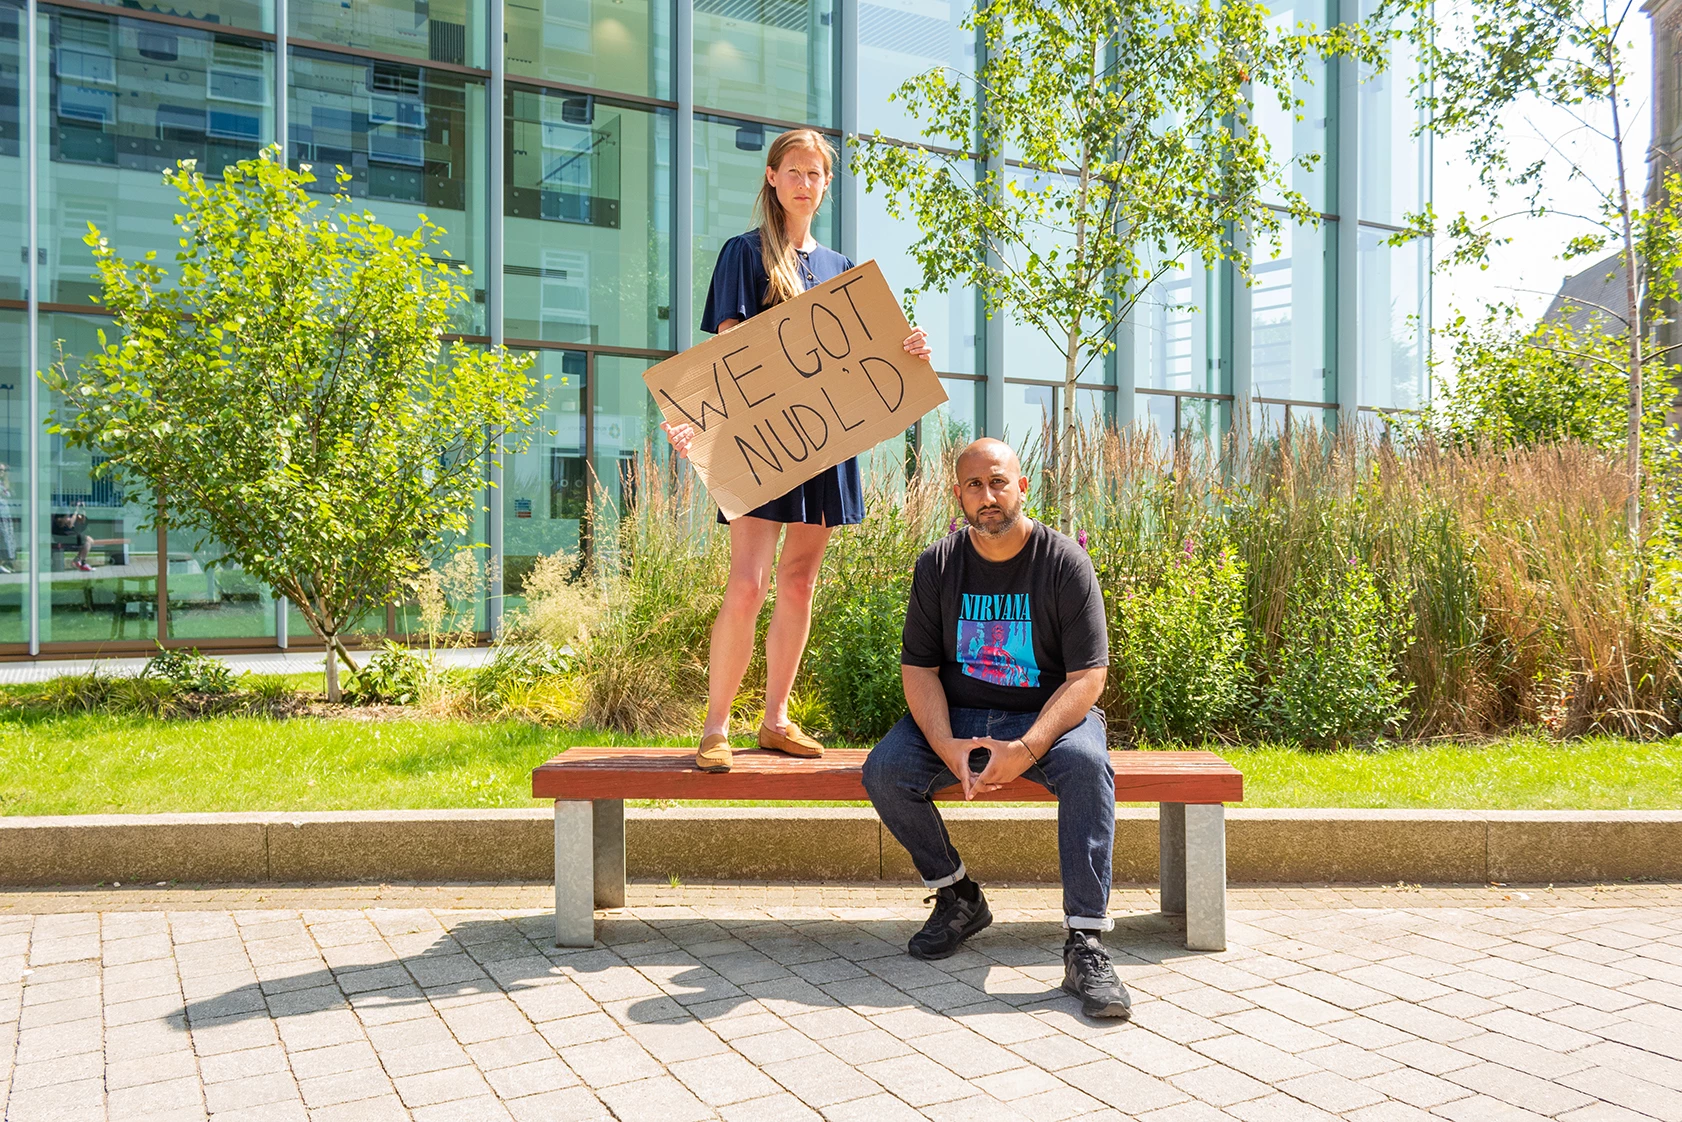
(660, 969)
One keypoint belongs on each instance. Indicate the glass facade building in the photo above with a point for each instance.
(588, 158)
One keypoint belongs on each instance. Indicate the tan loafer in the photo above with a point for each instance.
(715, 753)
(794, 742)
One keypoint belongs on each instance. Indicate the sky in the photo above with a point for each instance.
(1528, 270)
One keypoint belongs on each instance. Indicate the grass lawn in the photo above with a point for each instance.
(111, 764)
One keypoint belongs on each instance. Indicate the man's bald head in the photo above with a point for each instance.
(987, 453)
(989, 486)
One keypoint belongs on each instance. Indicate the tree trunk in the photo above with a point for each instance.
(1632, 296)
(334, 696)
(1066, 456)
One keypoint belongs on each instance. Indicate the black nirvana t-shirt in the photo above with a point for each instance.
(1005, 634)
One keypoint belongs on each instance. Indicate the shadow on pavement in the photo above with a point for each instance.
(650, 968)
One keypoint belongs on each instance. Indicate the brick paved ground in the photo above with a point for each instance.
(1480, 1004)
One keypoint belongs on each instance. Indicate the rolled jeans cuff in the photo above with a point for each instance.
(945, 882)
(1089, 923)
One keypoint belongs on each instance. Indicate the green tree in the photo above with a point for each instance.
(1487, 65)
(288, 393)
(1131, 121)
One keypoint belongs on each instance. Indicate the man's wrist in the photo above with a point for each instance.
(1028, 747)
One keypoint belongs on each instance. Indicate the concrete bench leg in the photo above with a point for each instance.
(575, 903)
(1171, 860)
(609, 828)
(1205, 884)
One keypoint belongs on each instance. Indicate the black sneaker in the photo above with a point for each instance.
(953, 920)
(1088, 974)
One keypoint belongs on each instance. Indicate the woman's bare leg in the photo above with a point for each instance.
(791, 618)
(753, 550)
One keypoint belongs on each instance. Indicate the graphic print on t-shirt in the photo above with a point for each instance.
(996, 639)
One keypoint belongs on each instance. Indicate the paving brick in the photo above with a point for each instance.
(1519, 1089)
(575, 1104)
(659, 1099)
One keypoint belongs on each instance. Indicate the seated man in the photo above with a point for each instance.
(1004, 656)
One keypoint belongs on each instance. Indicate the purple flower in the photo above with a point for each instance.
(952, 526)
(1081, 538)
(1190, 546)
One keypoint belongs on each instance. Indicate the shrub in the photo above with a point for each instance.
(1178, 668)
(1333, 678)
(188, 670)
(394, 676)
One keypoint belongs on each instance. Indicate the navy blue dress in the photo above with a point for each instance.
(835, 497)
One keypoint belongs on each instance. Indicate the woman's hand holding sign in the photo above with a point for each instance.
(681, 436)
(917, 343)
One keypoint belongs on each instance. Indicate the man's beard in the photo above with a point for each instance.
(1001, 529)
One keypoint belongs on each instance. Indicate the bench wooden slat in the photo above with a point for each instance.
(670, 773)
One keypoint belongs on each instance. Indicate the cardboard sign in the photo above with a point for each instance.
(796, 389)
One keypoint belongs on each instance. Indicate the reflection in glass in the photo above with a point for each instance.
(1177, 333)
(623, 45)
(14, 187)
(1290, 316)
(1392, 321)
(412, 140)
(900, 40)
(256, 15)
(588, 200)
(14, 476)
(545, 488)
(1030, 411)
(959, 421)
(127, 100)
(210, 597)
(1154, 413)
(729, 167)
(1394, 170)
(439, 30)
(949, 317)
(770, 59)
(625, 426)
(99, 566)
(1304, 130)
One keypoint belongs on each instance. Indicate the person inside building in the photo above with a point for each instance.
(1004, 655)
(765, 266)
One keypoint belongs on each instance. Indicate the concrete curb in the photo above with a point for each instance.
(1011, 843)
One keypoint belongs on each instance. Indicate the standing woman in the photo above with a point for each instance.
(756, 270)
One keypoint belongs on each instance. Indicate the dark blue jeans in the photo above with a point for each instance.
(902, 773)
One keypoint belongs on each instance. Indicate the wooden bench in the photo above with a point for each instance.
(590, 786)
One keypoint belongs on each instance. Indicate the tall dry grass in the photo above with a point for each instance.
(1516, 597)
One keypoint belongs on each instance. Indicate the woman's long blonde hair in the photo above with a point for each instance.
(774, 247)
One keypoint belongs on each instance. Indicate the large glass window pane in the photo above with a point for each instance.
(1303, 130)
(413, 141)
(1394, 169)
(127, 100)
(899, 40)
(14, 190)
(99, 567)
(210, 597)
(625, 420)
(439, 30)
(623, 45)
(949, 317)
(769, 58)
(1178, 331)
(1392, 321)
(960, 420)
(545, 488)
(1029, 412)
(14, 476)
(1290, 316)
(729, 167)
(588, 221)
(257, 15)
